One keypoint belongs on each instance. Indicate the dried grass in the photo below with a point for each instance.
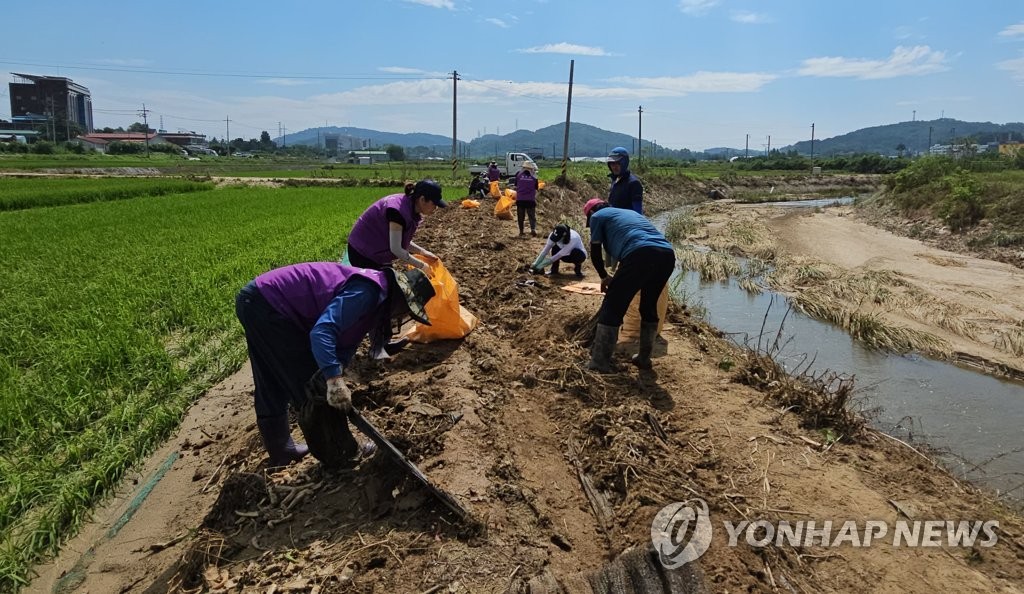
(712, 266)
(1011, 340)
(869, 327)
(822, 400)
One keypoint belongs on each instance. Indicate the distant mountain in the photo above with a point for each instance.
(913, 136)
(723, 152)
(372, 138)
(584, 141)
(590, 141)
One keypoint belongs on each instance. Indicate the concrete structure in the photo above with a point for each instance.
(368, 157)
(36, 99)
(182, 139)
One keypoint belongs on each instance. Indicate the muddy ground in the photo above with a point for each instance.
(511, 424)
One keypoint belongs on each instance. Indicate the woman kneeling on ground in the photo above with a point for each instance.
(564, 245)
(308, 317)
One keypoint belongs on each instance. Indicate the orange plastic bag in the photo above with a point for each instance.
(503, 209)
(469, 203)
(540, 184)
(448, 319)
(630, 331)
(495, 192)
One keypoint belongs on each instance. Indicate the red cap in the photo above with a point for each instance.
(589, 206)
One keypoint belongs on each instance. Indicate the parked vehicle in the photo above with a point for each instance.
(513, 163)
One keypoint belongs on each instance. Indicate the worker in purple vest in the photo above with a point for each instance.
(385, 230)
(493, 173)
(526, 196)
(311, 316)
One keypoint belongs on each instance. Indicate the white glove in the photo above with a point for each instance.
(338, 394)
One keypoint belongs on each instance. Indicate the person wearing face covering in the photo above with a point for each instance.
(626, 190)
(312, 316)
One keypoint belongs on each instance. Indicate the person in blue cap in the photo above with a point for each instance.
(626, 191)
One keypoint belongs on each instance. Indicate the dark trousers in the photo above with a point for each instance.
(280, 353)
(360, 261)
(576, 257)
(526, 208)
(646, 271)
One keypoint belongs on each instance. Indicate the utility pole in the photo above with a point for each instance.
(812, 144)
(565, 142)
(746, 149)
(769, 153)
(145, 123)
(929, 149)
(640, 134)
(227, 133)
(455, 111)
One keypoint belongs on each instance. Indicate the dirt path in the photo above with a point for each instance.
(508, 421)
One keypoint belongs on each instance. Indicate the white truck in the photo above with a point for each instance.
(513, 163)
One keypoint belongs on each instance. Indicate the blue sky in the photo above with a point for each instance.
(707, 72)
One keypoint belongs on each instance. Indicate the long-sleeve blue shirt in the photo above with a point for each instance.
(357, 300)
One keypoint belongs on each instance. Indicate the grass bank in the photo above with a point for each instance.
(116, 315)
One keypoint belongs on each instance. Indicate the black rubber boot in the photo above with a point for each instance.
(393, 347)
(277, 439)
(605, 339)
(648, 332)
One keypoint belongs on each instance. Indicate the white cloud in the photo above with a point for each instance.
(904, 61)
(704, 82)
(284, 82)
(697, 7)
(1014, 67)
(434, 3)
(749, 18)
(565, 48)
(412, 71)
(497, 22)
(1013, 31)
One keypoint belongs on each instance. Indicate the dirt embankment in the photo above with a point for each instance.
(563, 468)
(898, 292)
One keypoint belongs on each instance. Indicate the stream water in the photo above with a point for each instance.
(975, 420)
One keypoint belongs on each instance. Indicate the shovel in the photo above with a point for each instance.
(395, 454)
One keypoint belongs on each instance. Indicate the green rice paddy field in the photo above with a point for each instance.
(114, 316)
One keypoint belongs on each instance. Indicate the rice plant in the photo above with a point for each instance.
(117, 315)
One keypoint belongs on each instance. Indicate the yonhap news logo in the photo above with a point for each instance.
(681, 532)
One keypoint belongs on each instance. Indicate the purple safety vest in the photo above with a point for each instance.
(301, 293)
(526, 187)
(370, 236)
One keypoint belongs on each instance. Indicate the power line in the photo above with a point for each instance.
(390, 76)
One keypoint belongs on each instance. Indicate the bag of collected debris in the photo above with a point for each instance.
(448, 319)
(324, 427)
(630, 331)
(495, 190)
(503, 209)
(468, 203)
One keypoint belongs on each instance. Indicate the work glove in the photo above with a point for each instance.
(605, 283)
(338, 394)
